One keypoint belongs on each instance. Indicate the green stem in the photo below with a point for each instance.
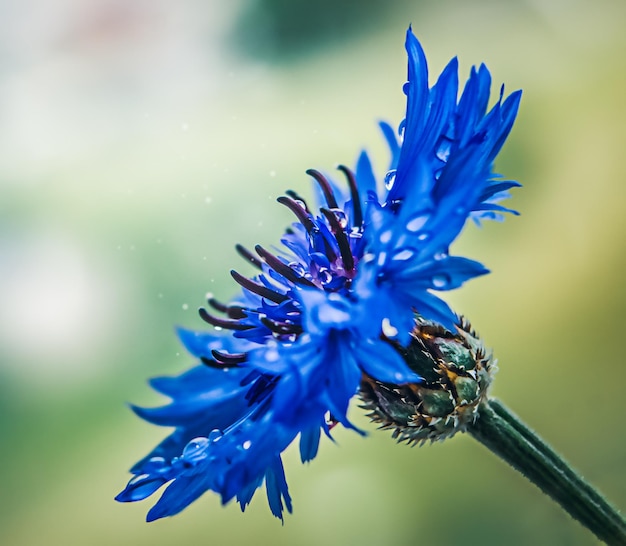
(503, 433)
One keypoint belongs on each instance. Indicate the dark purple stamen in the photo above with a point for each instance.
(258, 289)
(341, 237)
(231, 359)
(248, 256)
(280, 267)
(302, 214)
(222, 323)
(283, 328)
(325, 186)
(357, 213)
(215, 364)
(233, 311)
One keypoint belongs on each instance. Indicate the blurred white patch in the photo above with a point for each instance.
(56, 311)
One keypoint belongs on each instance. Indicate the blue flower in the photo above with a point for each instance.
(335, 305)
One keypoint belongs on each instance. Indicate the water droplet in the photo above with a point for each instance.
(443, 152)
(297, 268)
(272, 355)
(341, 217)
(385, 236)
(301, 204)
(246, 444)
(440, 281)
(390, 178)
(215, 435)
(355, 233)
(424, 236)
(388, 329)
(324, 275)
(368, 257)
(416, 222)
(440, 254)
(406, 87)
(154, 464)
(404, 254)
(196, 449)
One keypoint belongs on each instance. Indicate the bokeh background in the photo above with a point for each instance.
(141, 139)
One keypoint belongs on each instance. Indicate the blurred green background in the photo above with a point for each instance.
(140, 140)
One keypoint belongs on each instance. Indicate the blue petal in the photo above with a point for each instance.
(141, 487)
(277, 490)
(392, 142)
(309, 443)
(381, 361)
(365, 175)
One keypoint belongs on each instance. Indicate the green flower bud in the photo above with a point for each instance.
(457, 372)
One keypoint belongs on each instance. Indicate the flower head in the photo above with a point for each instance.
(333, 312)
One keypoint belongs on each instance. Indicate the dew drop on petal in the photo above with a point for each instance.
(388, 329)
(246, 444)
(195, 448)
(404, 254)
(424, 236)
(341, 217)
(385, 236)
(441, 254)
(272, 355)
(416, 222)
(390, 178)
(355, 233)
(301, 204)
(324, 275)
(297, 268)
(406, 87)
(215, 435)
(440, 281)
(443, 151)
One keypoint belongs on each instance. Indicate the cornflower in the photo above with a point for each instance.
(347, 307)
